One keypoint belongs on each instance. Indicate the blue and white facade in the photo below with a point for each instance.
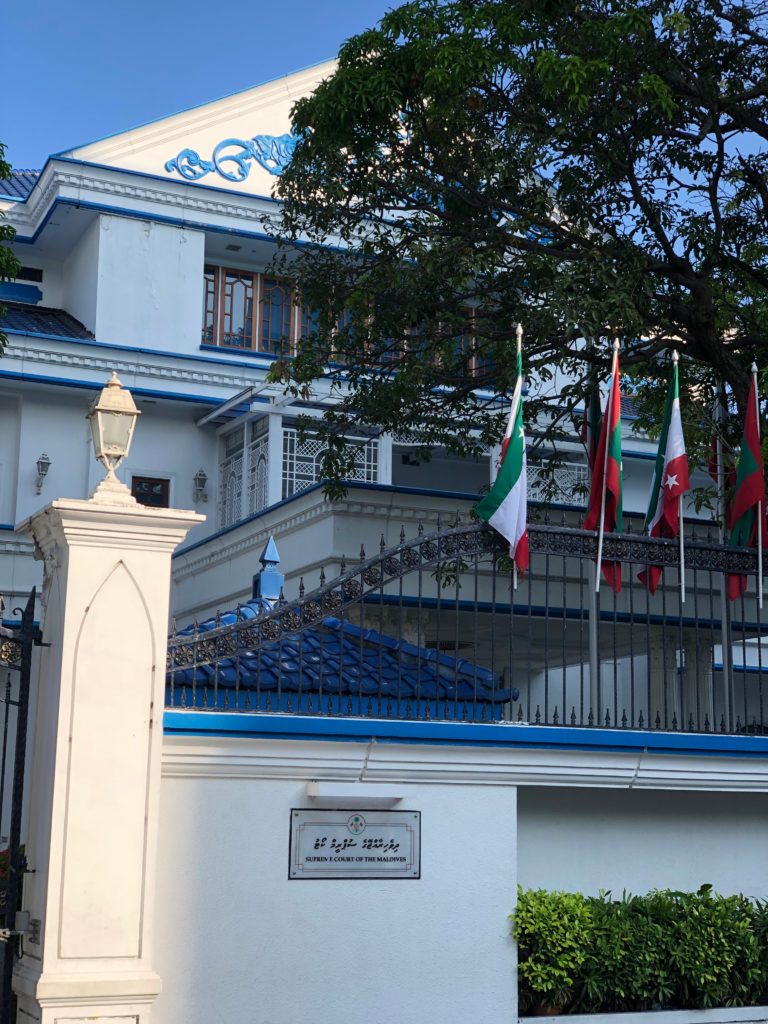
(147, 253)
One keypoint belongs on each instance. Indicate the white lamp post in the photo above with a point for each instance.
(113, 417)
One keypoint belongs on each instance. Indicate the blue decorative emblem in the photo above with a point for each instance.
(272, 152)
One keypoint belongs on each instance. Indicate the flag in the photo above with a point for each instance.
(670, 480)
(748, 506)
(605, 511)
(505, 506)
(593, 420)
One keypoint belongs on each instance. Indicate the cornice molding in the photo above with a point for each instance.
(259, 530)
(139, 367)
(259, 758)
(91, 183)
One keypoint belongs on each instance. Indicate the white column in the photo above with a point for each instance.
(94, 784)
(385, 459)
(275, 459)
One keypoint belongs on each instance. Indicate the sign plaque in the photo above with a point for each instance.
(355, 844)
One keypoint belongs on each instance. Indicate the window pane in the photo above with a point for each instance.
(276, 309)
(209, 306)
(150, 491)
(238, 310)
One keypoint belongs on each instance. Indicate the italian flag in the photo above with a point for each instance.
(748, 507)
(605, 510)
(505, 507)
(670, 481)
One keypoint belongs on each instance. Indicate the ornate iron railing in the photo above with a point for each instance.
(438, 627)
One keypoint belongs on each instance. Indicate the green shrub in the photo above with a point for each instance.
(664, 950)
(551, 930)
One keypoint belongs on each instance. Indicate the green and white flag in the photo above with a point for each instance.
(505, 507)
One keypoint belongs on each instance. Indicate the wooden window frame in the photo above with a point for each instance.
(257, 281)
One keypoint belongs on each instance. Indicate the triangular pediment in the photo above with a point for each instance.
(240, 142)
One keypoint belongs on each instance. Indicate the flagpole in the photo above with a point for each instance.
(598, 574)
(759, 504)
(519, 336)
(675, 360)
(725, 604)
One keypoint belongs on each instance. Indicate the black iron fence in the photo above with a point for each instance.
(438, 627)
(16, 645)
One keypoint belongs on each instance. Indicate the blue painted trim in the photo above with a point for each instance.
(7, 526)
(36, 378)
(12, 291)
(143, 350)
(216, 723)
(555, 613)
(157, 218)
(250, 353)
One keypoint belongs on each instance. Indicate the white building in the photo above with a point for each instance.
(146, 253)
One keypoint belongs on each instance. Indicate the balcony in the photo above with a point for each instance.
(437, 628)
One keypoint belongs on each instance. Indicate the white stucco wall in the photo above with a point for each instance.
(80, 277)
(236, 941)
(584, 840)
(150, 284)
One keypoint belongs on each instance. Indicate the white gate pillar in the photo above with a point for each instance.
(95, 778)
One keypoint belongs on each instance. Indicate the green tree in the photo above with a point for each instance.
(9, 265)
(586, 167)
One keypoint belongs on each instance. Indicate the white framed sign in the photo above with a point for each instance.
(354, 844)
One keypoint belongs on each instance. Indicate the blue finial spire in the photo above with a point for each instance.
(268, 583)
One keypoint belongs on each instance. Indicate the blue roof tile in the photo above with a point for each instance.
(335, 658)
(21, 318)
(19, 185)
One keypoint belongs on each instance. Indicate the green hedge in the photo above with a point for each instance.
(666, 950)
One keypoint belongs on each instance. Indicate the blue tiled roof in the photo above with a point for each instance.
(336, 659)
(19, 185)
(21, 318)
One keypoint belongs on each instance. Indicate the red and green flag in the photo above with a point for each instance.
(747, 519)
(505, 507)
(670, 480)
(605, 499)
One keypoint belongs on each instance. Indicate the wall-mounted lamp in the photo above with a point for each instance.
(43, 465)
(200, 480)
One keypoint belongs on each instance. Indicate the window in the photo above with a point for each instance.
(231, 477)
(152, 491)
(242, 309)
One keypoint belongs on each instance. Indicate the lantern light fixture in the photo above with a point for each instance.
(43, 465)
(200, 479)
(113, 418)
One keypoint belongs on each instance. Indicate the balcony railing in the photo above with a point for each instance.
(438, 628)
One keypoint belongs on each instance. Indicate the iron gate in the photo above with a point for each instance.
(16, 643)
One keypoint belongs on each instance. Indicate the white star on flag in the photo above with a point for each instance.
(671, 480)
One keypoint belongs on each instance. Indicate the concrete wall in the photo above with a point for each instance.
(237, 941)
(584, 840)
(80, 277)
(150, 285)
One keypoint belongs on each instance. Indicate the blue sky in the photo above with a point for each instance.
(80, 70)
